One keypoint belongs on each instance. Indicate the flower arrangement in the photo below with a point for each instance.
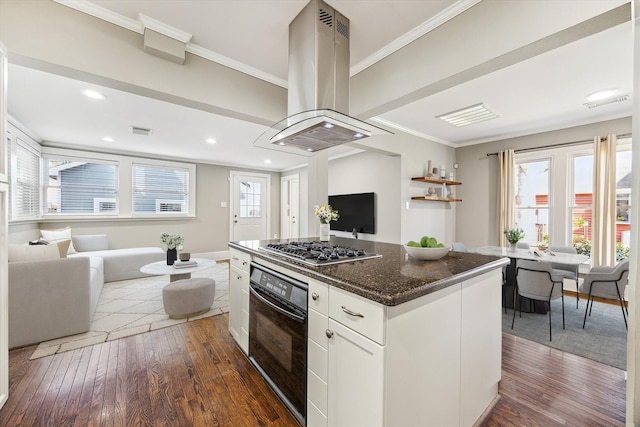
(514, 235)
(326, 214)
(171, 240)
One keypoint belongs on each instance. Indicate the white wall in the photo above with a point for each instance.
(371, 172)
(476, 218)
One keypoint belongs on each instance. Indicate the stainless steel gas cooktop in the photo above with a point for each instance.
(317, 253)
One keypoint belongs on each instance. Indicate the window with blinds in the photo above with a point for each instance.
(23, 174)
(81, 187)
(160, 190)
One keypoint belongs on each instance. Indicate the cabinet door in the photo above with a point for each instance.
(355, 379)
(239, 307)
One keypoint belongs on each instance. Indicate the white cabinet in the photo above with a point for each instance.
(356, 379)
(239, 275)
(435, 360)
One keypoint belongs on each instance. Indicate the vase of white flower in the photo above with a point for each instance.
(172, 241)
(325, 214)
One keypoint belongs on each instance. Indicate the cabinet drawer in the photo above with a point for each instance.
(318, 359)
(358, 313)
(319, 296)
(317, 391)
(315, 418)
(239, 259)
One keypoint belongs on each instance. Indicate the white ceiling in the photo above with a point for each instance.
(542, 93)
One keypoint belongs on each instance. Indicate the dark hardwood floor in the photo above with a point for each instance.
(194, 375)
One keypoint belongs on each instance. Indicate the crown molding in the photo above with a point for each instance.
(419, 31)
(105, 14)
(236, 65)
(162, 28)
(412, 132)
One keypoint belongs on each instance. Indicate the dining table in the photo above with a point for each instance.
(534, 254)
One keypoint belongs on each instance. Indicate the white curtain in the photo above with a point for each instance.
(506, 194)
(603, 246)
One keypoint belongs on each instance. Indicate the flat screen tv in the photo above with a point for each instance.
(357, 211)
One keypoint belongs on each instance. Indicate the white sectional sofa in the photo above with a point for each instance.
(119, 264)
(54, 298)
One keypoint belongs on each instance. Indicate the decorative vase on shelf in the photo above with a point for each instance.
(172, 256)
(324, 232)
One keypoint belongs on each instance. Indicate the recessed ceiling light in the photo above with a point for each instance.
(468, 115)
(267, 161)
(601, 94)
(210, 140)
(94, 94)
(108, 139)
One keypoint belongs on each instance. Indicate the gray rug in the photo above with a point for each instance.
(604, 338)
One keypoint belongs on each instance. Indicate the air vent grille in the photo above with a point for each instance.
(141, 131)
(342, 28)
(326, 18)
(468, 115)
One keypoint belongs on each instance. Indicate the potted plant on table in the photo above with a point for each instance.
(514, 235)
(172, 241)
(325, 214)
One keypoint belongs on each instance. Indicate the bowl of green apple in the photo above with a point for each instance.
(427, 248)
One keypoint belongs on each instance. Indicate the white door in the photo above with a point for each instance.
(289, 207)
(249, 206)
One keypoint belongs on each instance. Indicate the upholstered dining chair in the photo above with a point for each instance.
(536, 280)
(609, 283)
(569, 271)
(459, 247)
(522, 245)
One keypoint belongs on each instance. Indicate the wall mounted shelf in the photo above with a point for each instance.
(443, 182)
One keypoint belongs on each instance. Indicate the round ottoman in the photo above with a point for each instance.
(188, 297)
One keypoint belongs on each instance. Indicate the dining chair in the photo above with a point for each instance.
(459, 247)
(609, 283)
(569, 271)
(522, 245)
(536, 280)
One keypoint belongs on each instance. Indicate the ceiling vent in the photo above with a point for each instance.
(611, 100)
(468, 115)
(141, 131)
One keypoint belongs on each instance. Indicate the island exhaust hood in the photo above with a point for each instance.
(318, 99)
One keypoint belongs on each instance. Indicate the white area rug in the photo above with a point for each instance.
(131, 307)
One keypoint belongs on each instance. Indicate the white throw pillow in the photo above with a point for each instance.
(52, 236)
(19, 253)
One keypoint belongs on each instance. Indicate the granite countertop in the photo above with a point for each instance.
(394, 278)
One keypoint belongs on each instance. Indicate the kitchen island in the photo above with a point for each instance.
(391, 340)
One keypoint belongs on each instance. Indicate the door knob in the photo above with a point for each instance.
(315, 296)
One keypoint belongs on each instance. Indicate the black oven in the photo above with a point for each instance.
(278, 334)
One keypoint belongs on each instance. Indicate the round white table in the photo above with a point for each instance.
(161, 268)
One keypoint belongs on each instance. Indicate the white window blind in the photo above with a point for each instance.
(83, 187)
(24, 173)
(160, 190)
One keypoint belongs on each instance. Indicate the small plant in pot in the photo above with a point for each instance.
(514, 235)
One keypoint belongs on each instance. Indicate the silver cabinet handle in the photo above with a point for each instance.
(315, 296)
(244, 262)
(329, 333)
(239, 277)
(235, 258)
(352, 313)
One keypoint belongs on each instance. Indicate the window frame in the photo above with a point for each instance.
(46, 157)
(14, 142)
(189, 202)
(531, 157)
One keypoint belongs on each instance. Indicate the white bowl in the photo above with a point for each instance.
(427, 253)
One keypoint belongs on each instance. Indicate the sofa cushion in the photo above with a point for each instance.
(57, 236)
(20, 253)
(124, 264)
(90, 242)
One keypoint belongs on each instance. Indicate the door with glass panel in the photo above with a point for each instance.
(249, 206)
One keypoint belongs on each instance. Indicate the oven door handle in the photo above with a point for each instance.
(275, 307)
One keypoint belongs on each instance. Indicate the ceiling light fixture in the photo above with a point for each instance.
(606, 101)
(468, 115)
(210, 140)
(601, 94)
(108, 139)
(94, 94)
(267, 161)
